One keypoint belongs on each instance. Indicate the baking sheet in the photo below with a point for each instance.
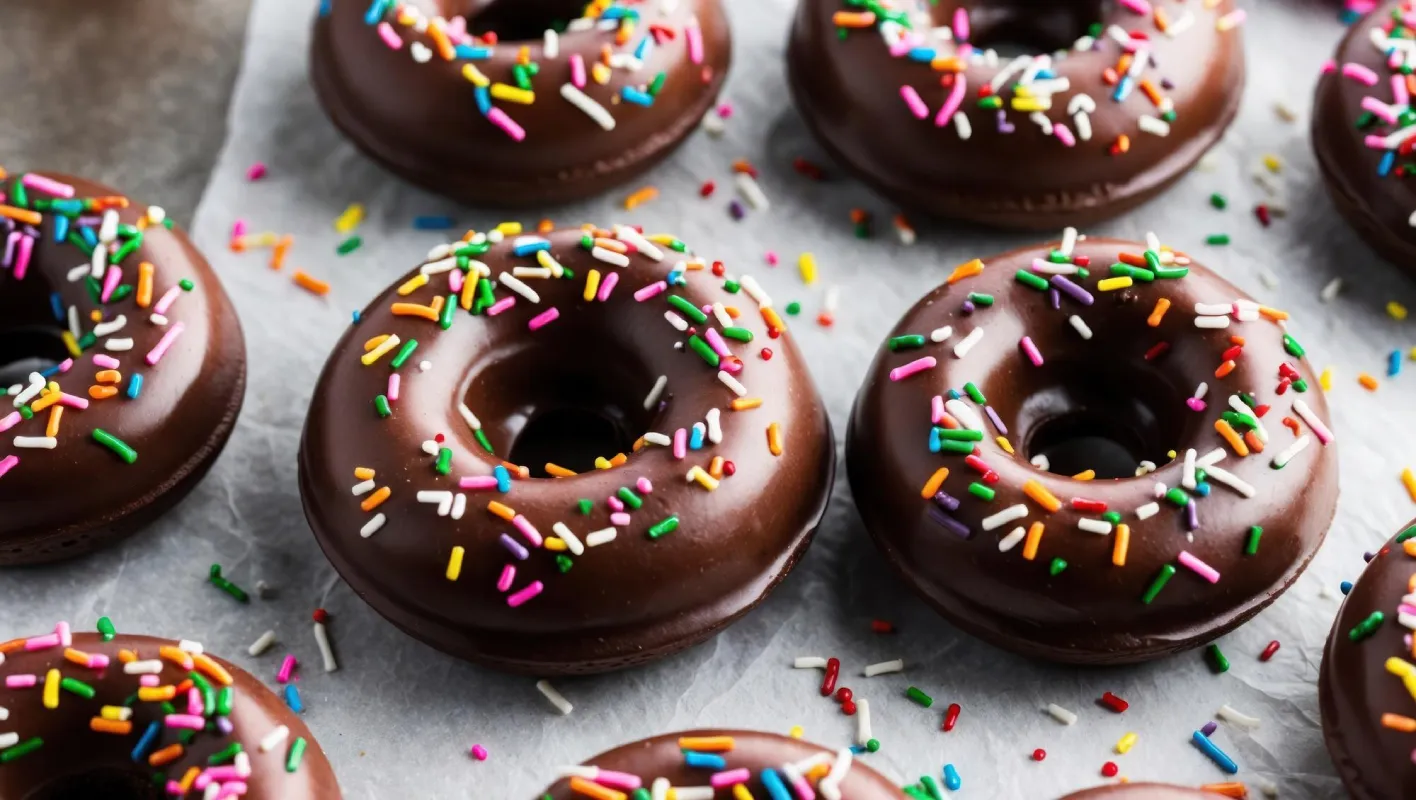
(398, 717)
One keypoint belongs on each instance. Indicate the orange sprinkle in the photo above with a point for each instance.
(1162, 22)
(937, 479)
(469, 285)
(127, 656)
(948, 421)
(1151, 92)
(21, 215)
(51, 429)
(504, 511)
(1231, 789)
(444, 44)
(774, 439)
(156, 694)
(613, 245)
(1273, 313)
(277, 256)
(166, 755)
(1368, 382)
(414, 310)
(101, 725)
(640, 197)
(853, 19)
(1227, 431)
(952, 64)
(176, 655)
(522, 473)
(12, 646)
(189, 778)
(1084, 475)
(76, 656)
(311, 284)
(1122, 145)
(715, 467)
(545, 226)
(1123, 542)
(370, 344)
(1040, 495)
(363, 473)
(1161, 306)
(213, 670)
(1255, 443)
(968, 269)
(595, 791)
(1109, 76)
(108, 376)
(557, 471)
(1396, 721)
(745, 403)
(1409, 481)
(1133, 259)
(376, 499)
(1034, 539)
(773, 321)
(144, 296)
(706, 744)
(1225, 368)
(618, 460)
(45, 401)
(1409, 547)
(1123, 64)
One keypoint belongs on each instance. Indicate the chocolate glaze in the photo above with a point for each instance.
(65, 502)
(421, 121)
(1091, 612)
(660, 756)
(1142, 791)
(623, 603)
(74, 757)
(1355, 689)
(1378, 207)
(849, 93)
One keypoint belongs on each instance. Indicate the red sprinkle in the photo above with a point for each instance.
(951, 717)
(1039, 754)
(1089, 506)
(321, 616)
(809, 169)
(706, 190)
(766, 354)
(718, 268)
(848, 709)
(1114, 703)
(881, 626)
(1262, 212)
(729, 468)
(1232, 353)
(1269, 651)
(978, 464)
(1157, 351)
(1082, 261)
(828, 681)
(1261, 409)
(1292, 424)
(844, 695)
(1109, 769)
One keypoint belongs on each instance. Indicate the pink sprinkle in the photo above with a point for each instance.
(218, 775)
(286, 667)
(956, 97)
(10, 421)
(1064, 134)
(1360, 73)
(715, 341)
(619, 780)
(1138, 6)
(106, 361)
(652, 290)
(725, 110)
(1196, 404)
(608, 285)
(1200, 568)
(257, 170)
(149, 681)
(772, 259)
(454, 281)
(527, 530)
(619, 519)
(97, 661)
(66, 636)
(695, 43)
(508, 577)
(167, 299)
(936, 409)
(156, 354)
(73, 401)
(731, 777)
(479, 752)
(731, 366)
(501, 120)
(477, 483)
(680, 444)
(191, 722)
(390, 36)
(614, 503)
(522, 596)
(577, 70)
(231, 789)
(194, 702)
(111, 277)
(914, 367)
(41, 642)
(21, 681)
(238, 229)
(500, 306)
(1401, 95)
(66, 365)
(961, 25)
(644, 486)
(1328, 67)
(48, 185)
(1377, 107)
(1031, 350)
(174, 788)
(394, 382)
(22, 260)
(543, 319)
(914, 101)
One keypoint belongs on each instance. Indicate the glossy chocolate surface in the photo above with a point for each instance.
(1355, 687)
(421, 120)
(1142, 791)
(660, 757)
(77, 761)
(624, 602)
(1378, 207)
(1015, 174)
(67, 501)
(1092, 611)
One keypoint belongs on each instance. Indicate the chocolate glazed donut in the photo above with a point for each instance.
(1054, 520)
(662, 758)
(1143, 791)
(1366, 678)
(108, 734)
(449, 535)
(444, 105)
(1034, 142)
(145, 350)
(1360, 125)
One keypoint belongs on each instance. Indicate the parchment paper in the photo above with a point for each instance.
(398, 717)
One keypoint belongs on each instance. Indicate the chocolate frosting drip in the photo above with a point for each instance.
(624, 602)
(1142, 791)
(1355, 688)
(660, 756)
(1092, 611)
(849, 92)
(421, 120)
(72, 753)
(67, 501)
(1378, 207)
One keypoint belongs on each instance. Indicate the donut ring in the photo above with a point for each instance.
(1143, 791)
(1068, 153)
(661, 759)
(107, 734)
(1358, 684)
(158, 379)
(1036, 561)
(1358, 149)
(618, 565)
(603, 106)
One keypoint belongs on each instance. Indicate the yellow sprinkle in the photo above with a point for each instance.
(543, 257)
(797, 732)
(1123, 543)
(592, 282)
(346, 222)
(475, 75)
(602, 463)
(745, 403)
(1409, 681)
(412, 284)
(1325, 379)
(1126, 743)
(741, 792)
(703, 478)
(1272, 163)
(639, 197)
(554, 543)
(115, 713)
(51, 689)
(1400, 667)
(1004, 443)
(513, 94)
(379, 351)
(1084, 476)
(1031, 104)
(807, 263)
(509, 228)
(454, 564)
(71, 344)
(1396, 310)
(1112, 284)
(600, 73)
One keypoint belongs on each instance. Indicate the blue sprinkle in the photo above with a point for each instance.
(135, 386)
(924, 54)
(376, 12)
(1394, 363)
(472, 53)
(90, 237)
(676, 278)
(357, 316)
(530, 246)
(1202, 489)
(51, 372)
(1388, 160)
(857, 749)
(1123, 89)
(56, 304)
(704, 760)
(61, 229)
(620, 12)
(145, 743)
(951, 778)
(503, 478)
(432, 223)
(292, 699)
(1345, 586)
(772, 782)
(484, 99)
(954, 394)
(1216, 755)
(325, 7)
(935, 443)
(69, 207)
(695, 439)
(646, 46)
(632, 95)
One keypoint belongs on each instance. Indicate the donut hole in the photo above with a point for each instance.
(1026, 27)
(110, 783)
(1105, 418)
(521, 20)
(29, 349)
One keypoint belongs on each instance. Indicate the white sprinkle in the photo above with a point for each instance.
(1319, 429)
(4, 713)
(538, 273)
(262, 644)
(108, 228)
(511, 282)
(557, 699)
(577, 771)
(1069, 236)
(441, 496)
(1231, 480)
(1007, 515)
(150, 667)
(732, 383)
(372, 526)
(36, 384)
(714, 417)
(1229, 714)
(459, 505)
(468, 417)
(1187, 477)
(659, 439)
(1149, 124)
(1040, 119)
(1266, 275)
(1081, 326)
(1082, 121)
(885, 667)
(940, 334)
(273, 739)
(160, 321)
(9, 740)
(1281, 460)
(572, 542)
(109, 327)
(809, 662)
(118, 345)
(1330, 291)
(1147, 511)
(551, 49)
(652, 398)
(1011, 540)
(830, 786)
(189, 646)
(98, 263)
(326, 652)
(439, 266)
(1153, 242)
(1100, 526)
(675, 320)
(610, 257)
(1211, 458)
(627, 234)
(967, 343)
(862, 721)
(721, 314)
(964, 414)
(962, 125)
(1061, 714)
(430, 447)
(602, 536)
(37, 442)
(363, 488)
(1212, 322)
(751, 192)
(754, 290)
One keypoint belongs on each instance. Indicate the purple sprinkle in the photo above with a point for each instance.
(10, 243)
(968, 307)
(1165, 83)
(515, 547)
(1368, 556)
(1054, 298)
(956, 527)
(224, 725)
(997, 423)
(1209, 728)
(1004, 126)
(1192, 516)
(735, 210)
(1072, 290)
(946, 501)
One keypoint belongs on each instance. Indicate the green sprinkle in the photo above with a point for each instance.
(444, 464)
(1057, 566)
(186, 284)
(980, 491)
(955, 447)
(630, 498)
(908, 342)
(1300, 385)
(225, 755)
(381, 406)
(19, 194)
(349, 245)
(668, 525)
(656, 85)
(932, 787)
(297, 752)
(1217, 239)
(1172, 272)
(1406, 534)
(1366, 627)
(974, 394)
(1218, 201)
(1177, 496)
(448, 310)
(1134, 273)
(584, 506)
(1252, 547)
(87, 340)
(731, 286)
(639, 794)
(77, 687)
(214, 575)
(793, 308)
(737, 334)
(687, 309)
(960, 435)
(1162, 578)
(186, 737)
(78, 241)
(26, 412)
(1113, 517)
(106, 629)
(703, 349)
(123, 451)
(919, 697)
(404, 353)
(980, 299)
(873, 745)
(564, 563)
(1031, 280)
(1291, 345)
(22, 749)
(482, 440)
(1218, 662)
(129, 247)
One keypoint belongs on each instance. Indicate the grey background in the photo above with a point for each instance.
(398, 717)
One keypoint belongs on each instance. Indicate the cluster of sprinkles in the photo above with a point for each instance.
(457, 283)
(1388, 119)
(163, 720)
(122, 293)
(629, 45)
(1400, 665)
(1029, 84)
(961, 419)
